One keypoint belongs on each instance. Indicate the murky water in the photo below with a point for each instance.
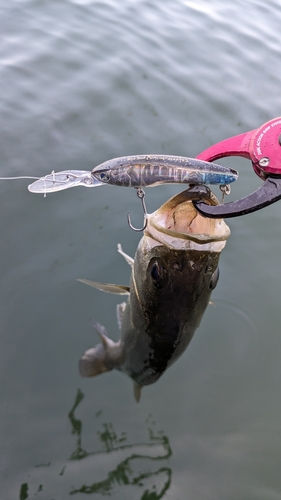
(81, 82)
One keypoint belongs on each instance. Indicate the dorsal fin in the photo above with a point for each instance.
(127, 257)
(108, 287)
(120, 308)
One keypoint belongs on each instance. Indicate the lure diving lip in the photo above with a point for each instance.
(58, 181)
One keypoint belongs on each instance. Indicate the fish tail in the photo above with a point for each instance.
(93, 362)
(101, 358)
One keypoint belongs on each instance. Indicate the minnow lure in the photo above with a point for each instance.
(152, 170)
(138, 171)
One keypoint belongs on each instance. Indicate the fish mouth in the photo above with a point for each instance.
(178, 225)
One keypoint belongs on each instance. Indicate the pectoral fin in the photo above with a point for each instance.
(108, 287)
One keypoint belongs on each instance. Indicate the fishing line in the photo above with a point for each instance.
(22, 177)
(19, 177)
(49, 178)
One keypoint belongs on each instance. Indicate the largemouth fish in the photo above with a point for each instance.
(174, 272)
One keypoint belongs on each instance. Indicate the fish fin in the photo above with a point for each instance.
(120, 308)
(108, 287)
(137, 391)
(127, 257)
(101, 331)
(103, 357)
(107, 343)
(92, 362)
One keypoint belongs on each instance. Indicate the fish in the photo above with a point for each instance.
(174, 271)
(154, 170)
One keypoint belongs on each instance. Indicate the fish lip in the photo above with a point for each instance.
(164, 228)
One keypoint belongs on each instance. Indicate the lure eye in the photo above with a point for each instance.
(158, 274)
(104, 176)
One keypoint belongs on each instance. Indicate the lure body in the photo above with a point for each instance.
(152, 170)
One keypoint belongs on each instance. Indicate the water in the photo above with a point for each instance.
(82, 82)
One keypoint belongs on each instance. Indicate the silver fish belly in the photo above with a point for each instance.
(174, 272)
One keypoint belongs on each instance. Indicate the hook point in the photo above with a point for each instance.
(135, 228)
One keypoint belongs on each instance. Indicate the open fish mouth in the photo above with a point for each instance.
(178, 225)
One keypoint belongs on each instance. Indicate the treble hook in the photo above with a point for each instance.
(141, 195)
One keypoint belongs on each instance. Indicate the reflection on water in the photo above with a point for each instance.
(136, 464)
(24, 491)
(77, 428)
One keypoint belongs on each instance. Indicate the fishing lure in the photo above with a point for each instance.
(153, 170)
(138, 171)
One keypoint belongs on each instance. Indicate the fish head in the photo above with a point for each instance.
(176, 269)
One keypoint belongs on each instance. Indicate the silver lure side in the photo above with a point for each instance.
(153, 170)
(174, 272)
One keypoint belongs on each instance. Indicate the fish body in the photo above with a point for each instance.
(174, 272)
(153, 170)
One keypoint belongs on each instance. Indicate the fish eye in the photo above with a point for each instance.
(158, 274)
(155, 272)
